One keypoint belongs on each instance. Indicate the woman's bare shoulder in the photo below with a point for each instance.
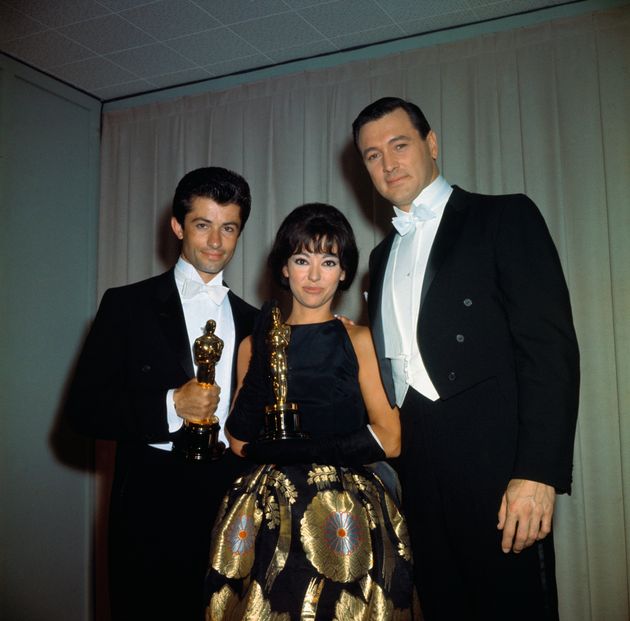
(360, 336)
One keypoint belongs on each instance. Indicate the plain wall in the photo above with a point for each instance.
(49, 142)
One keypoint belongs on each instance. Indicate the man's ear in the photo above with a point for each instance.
(432, 141)
(177, 228)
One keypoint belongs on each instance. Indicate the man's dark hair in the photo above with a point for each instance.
(385, 105)
(315, 227)
(221, 185)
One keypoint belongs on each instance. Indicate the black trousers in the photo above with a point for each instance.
(161, 518)
(455, 464)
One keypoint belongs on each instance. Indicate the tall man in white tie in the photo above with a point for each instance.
(472, 325)
(135, 383)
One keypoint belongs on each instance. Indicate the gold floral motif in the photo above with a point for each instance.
(233, 550)
(372, 517)
(322, 476)
(400, 528)
(357, 481)
(251, 607)
(377, 608)
(272, 512)
(405, 551)
(283, 484)
(371, 497)
(336, 537)
(311, 599)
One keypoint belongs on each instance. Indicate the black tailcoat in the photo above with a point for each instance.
(162, 510)
(496, 335)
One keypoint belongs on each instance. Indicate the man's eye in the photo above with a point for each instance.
(371, 157)
(401, 145)
(201, 225)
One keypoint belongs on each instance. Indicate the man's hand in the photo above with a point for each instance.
(196, 402)
(346, 321)
(525, 514)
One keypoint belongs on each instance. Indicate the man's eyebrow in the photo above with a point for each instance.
(202, 219)
(393, 139)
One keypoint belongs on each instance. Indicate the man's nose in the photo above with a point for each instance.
(389, 162)
(214, 238)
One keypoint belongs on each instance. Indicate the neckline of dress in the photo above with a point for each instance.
(316, 323)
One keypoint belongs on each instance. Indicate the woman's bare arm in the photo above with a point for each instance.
(242, 364)
(384, 420)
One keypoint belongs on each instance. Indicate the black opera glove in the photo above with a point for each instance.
(350, 449)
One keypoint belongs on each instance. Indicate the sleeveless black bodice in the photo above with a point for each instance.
(322, 379)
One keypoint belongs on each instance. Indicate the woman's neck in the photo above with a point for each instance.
(300, 315)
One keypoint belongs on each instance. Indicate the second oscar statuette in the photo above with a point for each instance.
(282, 421)
(200, 440)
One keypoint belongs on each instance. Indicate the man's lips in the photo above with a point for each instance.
(213, 256)
(394, 180)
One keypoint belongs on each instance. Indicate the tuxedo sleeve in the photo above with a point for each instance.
(119, 387)
(536, 302)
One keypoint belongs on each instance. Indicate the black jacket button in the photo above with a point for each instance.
(467, 302)
(459, 338)
(452, 376)
(145, 368)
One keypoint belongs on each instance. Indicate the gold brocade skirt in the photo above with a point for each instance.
(310, 542)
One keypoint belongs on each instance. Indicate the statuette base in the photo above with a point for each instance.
(282, 422)
(201, 442)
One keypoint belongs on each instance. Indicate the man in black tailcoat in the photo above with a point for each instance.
(472, 325)
(135, 383)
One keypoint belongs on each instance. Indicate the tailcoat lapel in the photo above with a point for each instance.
(380, 257)
(377, 275)
(172, 321)
(447, 233)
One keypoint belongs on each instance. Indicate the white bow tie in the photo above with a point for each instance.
(406, 220)
(192, 288)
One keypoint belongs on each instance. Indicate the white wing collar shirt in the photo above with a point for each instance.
(202, 301)
(402, 285)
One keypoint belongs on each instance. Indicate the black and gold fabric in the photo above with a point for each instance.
(310, 541)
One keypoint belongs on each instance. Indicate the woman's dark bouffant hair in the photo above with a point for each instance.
(315, 227)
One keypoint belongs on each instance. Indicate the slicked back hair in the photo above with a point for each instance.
(221, 185)
(385, 105)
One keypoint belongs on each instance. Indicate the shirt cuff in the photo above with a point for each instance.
(174, 422)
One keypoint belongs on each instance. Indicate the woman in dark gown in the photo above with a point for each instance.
(313, 533)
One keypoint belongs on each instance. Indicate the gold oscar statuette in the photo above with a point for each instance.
(200, 440)
(282, 421)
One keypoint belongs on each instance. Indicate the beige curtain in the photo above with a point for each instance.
(543, 110)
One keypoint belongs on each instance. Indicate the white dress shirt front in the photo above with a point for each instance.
(402, 286)
(197, 310)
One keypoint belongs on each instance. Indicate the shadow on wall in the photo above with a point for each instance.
(376, 211)
(373, 207)
(167, 246)
(96, 458)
